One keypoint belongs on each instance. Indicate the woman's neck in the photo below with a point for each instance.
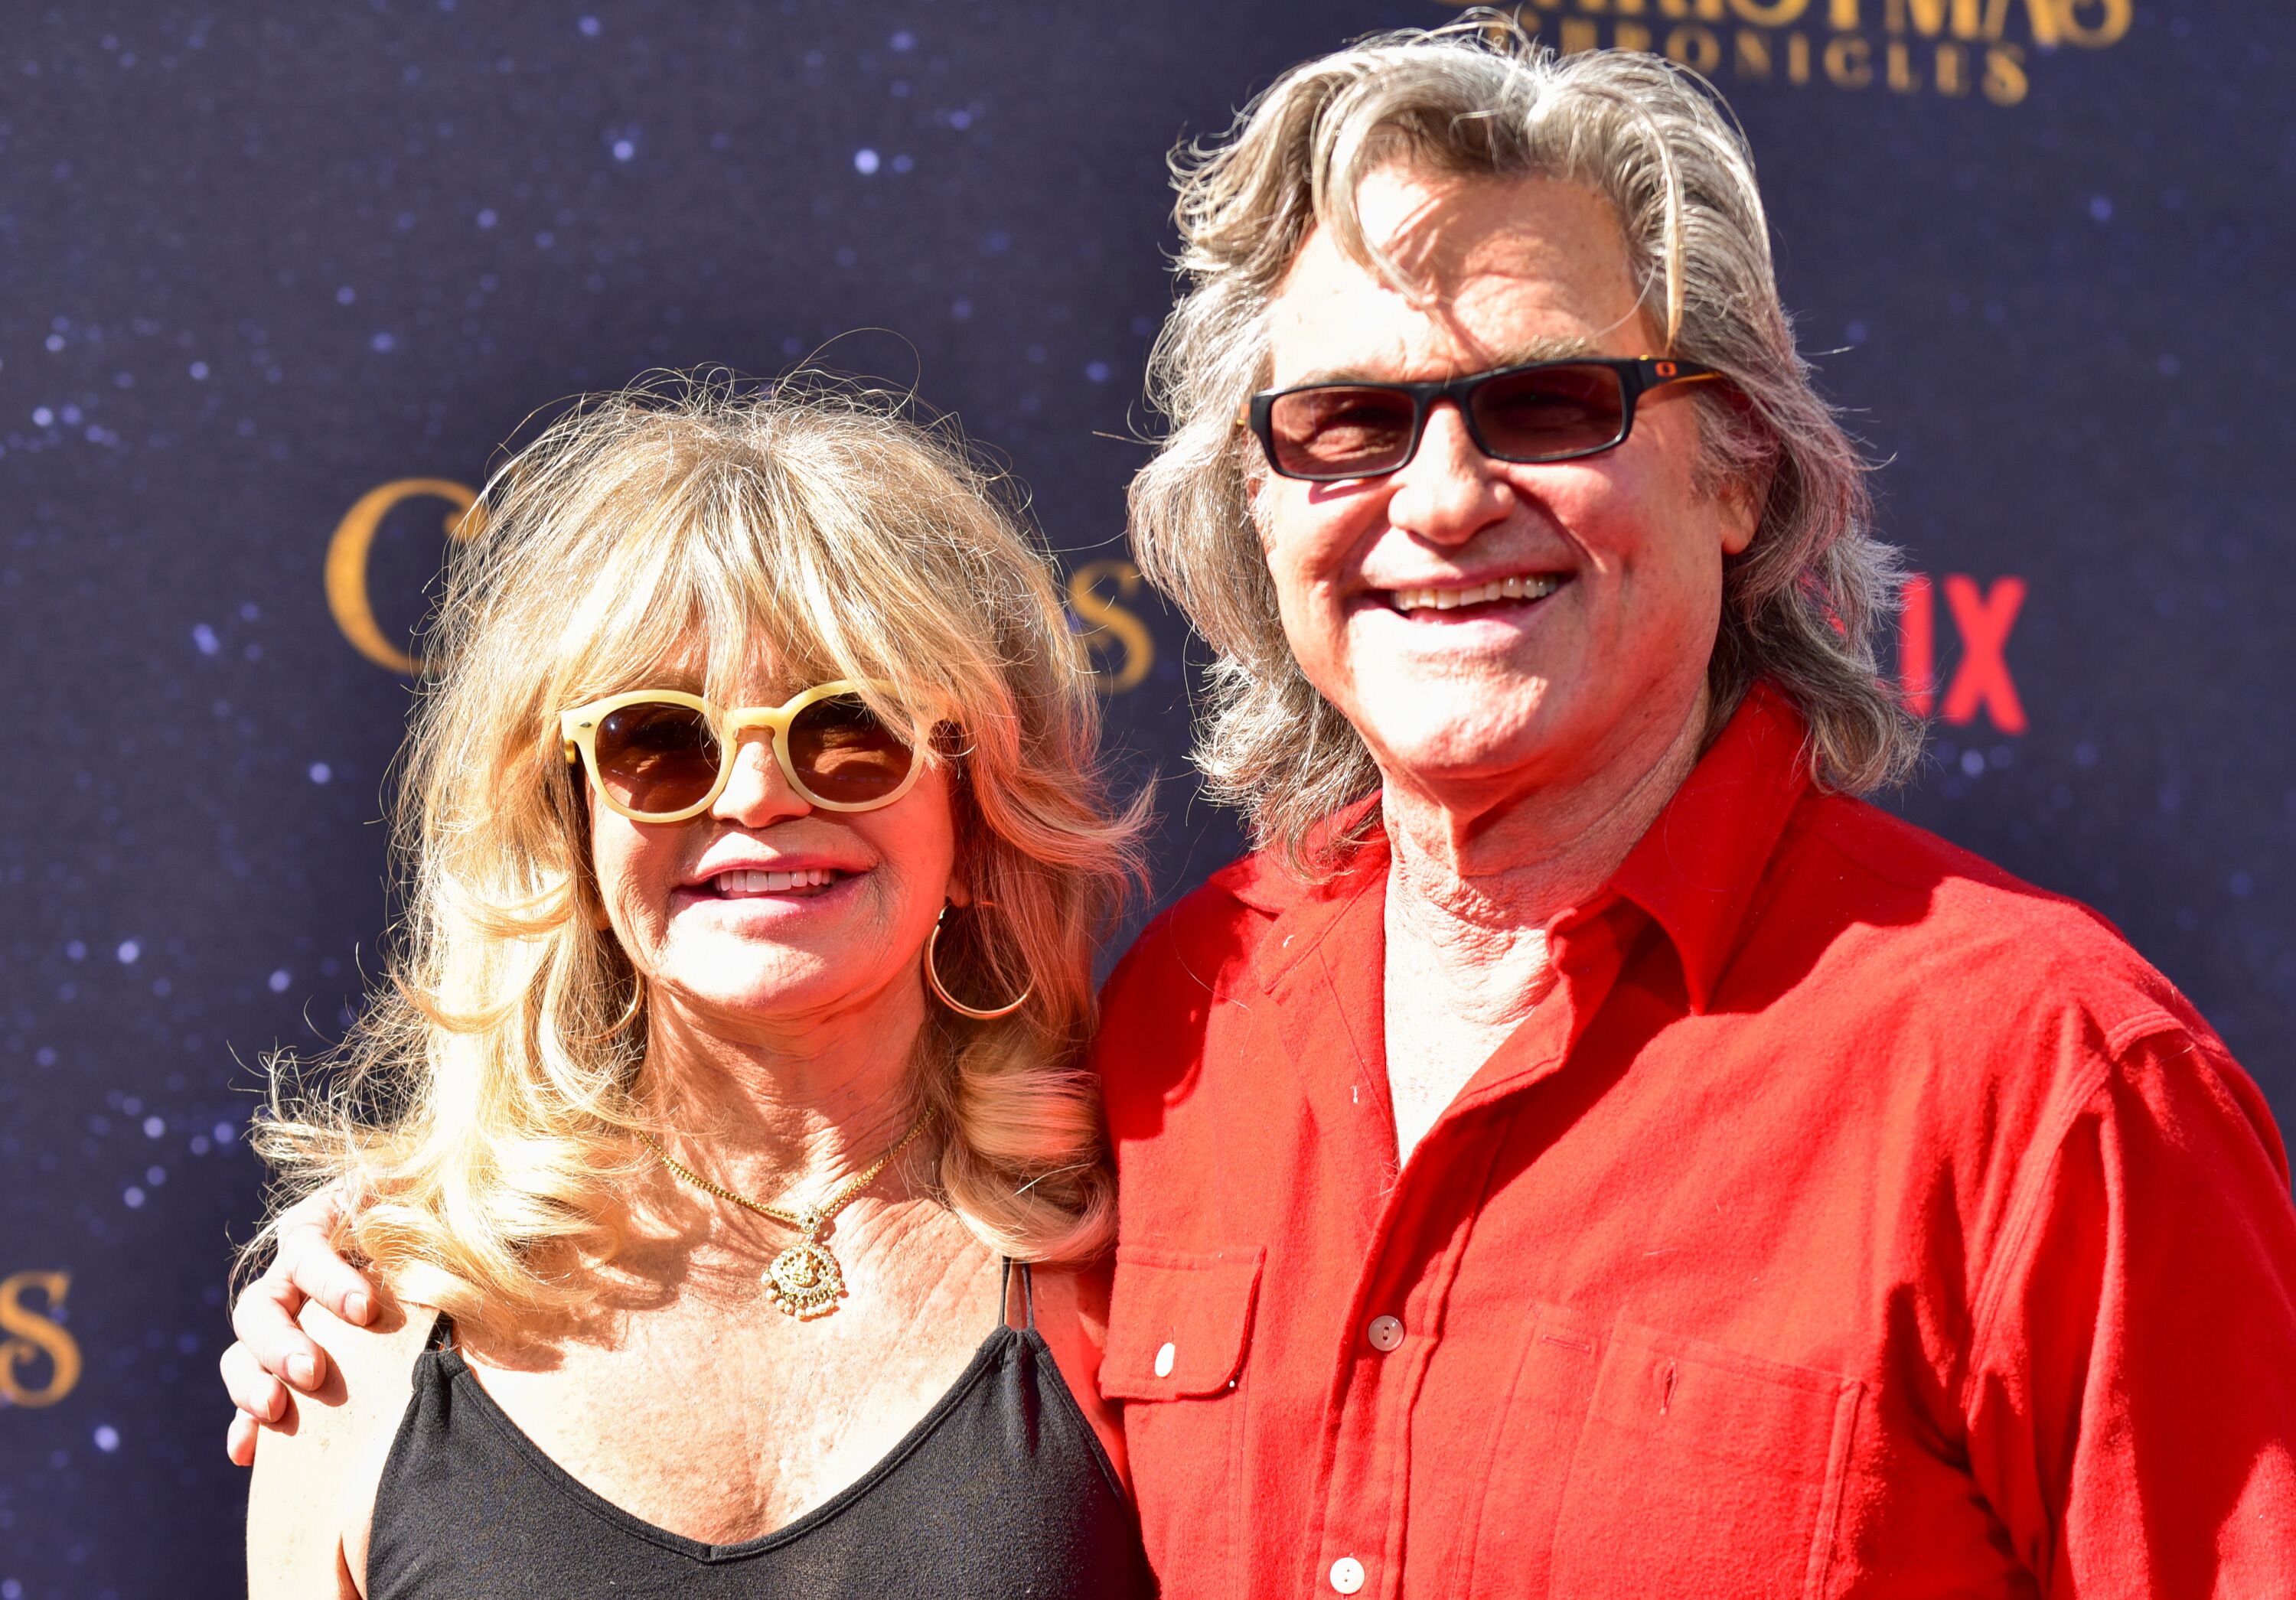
(774, 1108)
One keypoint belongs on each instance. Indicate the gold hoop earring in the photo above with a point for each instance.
(629, 1012)
(932, 980)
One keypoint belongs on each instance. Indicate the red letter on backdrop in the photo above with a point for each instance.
(1984, 623)
(1917, 643)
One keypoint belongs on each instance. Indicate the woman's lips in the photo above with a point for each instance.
(741, 884)
(766, 887)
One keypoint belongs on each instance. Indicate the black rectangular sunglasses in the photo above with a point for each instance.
(1540, 411)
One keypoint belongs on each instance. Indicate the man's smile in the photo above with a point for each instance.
(1427, 599)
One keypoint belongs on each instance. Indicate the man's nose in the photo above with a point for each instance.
(758, 792)
(1449, 491)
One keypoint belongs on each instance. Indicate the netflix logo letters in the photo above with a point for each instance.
(1983, 618)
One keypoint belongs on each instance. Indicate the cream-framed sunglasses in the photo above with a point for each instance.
(663, 755)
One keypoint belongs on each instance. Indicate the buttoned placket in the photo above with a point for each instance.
(1421, 1234)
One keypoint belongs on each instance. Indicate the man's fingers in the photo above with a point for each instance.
(265, 1321)
(305, 1267)
(239, 1441)
(259, 1396)
(309, 1261)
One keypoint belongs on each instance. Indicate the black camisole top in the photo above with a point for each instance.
(1002, 1490)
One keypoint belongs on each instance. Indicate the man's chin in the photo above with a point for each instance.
(1472, 751)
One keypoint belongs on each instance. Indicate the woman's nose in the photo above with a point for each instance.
(757, 790)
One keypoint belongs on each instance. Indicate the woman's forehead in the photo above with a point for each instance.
(751, 669)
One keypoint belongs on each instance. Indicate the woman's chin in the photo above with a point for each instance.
(730, 990)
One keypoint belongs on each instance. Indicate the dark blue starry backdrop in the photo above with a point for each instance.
(280, 279)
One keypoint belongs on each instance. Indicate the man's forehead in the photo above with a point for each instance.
(1437, 227)
(1498, 272)
(1452, 358)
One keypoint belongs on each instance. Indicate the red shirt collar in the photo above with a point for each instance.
(1262, 880)
(1695, 873)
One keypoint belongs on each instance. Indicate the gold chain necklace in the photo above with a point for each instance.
(803, 1280)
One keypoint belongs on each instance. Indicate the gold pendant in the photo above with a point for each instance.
(804, 1280)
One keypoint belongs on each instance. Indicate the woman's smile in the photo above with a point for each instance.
(747, 894)
(744, 882)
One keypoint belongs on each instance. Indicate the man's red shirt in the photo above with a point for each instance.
(1850, 1219)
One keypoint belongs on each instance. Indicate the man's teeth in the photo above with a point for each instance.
(746, 882)
(1505, 588)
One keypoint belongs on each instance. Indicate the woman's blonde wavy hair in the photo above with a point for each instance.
(483, 1114)
(1801, 607)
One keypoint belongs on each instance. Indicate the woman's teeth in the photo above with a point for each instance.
(1505, 588)
(746, 881)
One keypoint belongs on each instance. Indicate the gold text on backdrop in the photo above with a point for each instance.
(36, 1339)
(354, 541)
(1116, 643)
(1107, 623)
(1947, 47)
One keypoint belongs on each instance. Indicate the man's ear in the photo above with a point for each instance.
(1742, 501)
(1742, 497)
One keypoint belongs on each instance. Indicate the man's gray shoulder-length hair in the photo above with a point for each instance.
(1801, 608)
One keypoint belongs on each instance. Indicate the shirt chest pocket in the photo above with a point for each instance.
(1703, 1471)
(1179, 1325)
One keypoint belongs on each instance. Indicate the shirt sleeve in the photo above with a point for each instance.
(2131, 1394)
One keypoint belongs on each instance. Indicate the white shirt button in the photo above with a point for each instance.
(1385, 1333)
(1347, 1575)
(1166, 1354)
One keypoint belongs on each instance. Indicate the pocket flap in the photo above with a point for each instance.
(1725, 1403)
(1179, 1322)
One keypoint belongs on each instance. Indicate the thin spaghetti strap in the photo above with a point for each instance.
(1027, 1296)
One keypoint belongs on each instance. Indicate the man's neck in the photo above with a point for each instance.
(1472, 894)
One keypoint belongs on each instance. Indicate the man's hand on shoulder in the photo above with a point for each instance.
(273, 1356)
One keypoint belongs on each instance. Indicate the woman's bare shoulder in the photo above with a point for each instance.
(312, 1495)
